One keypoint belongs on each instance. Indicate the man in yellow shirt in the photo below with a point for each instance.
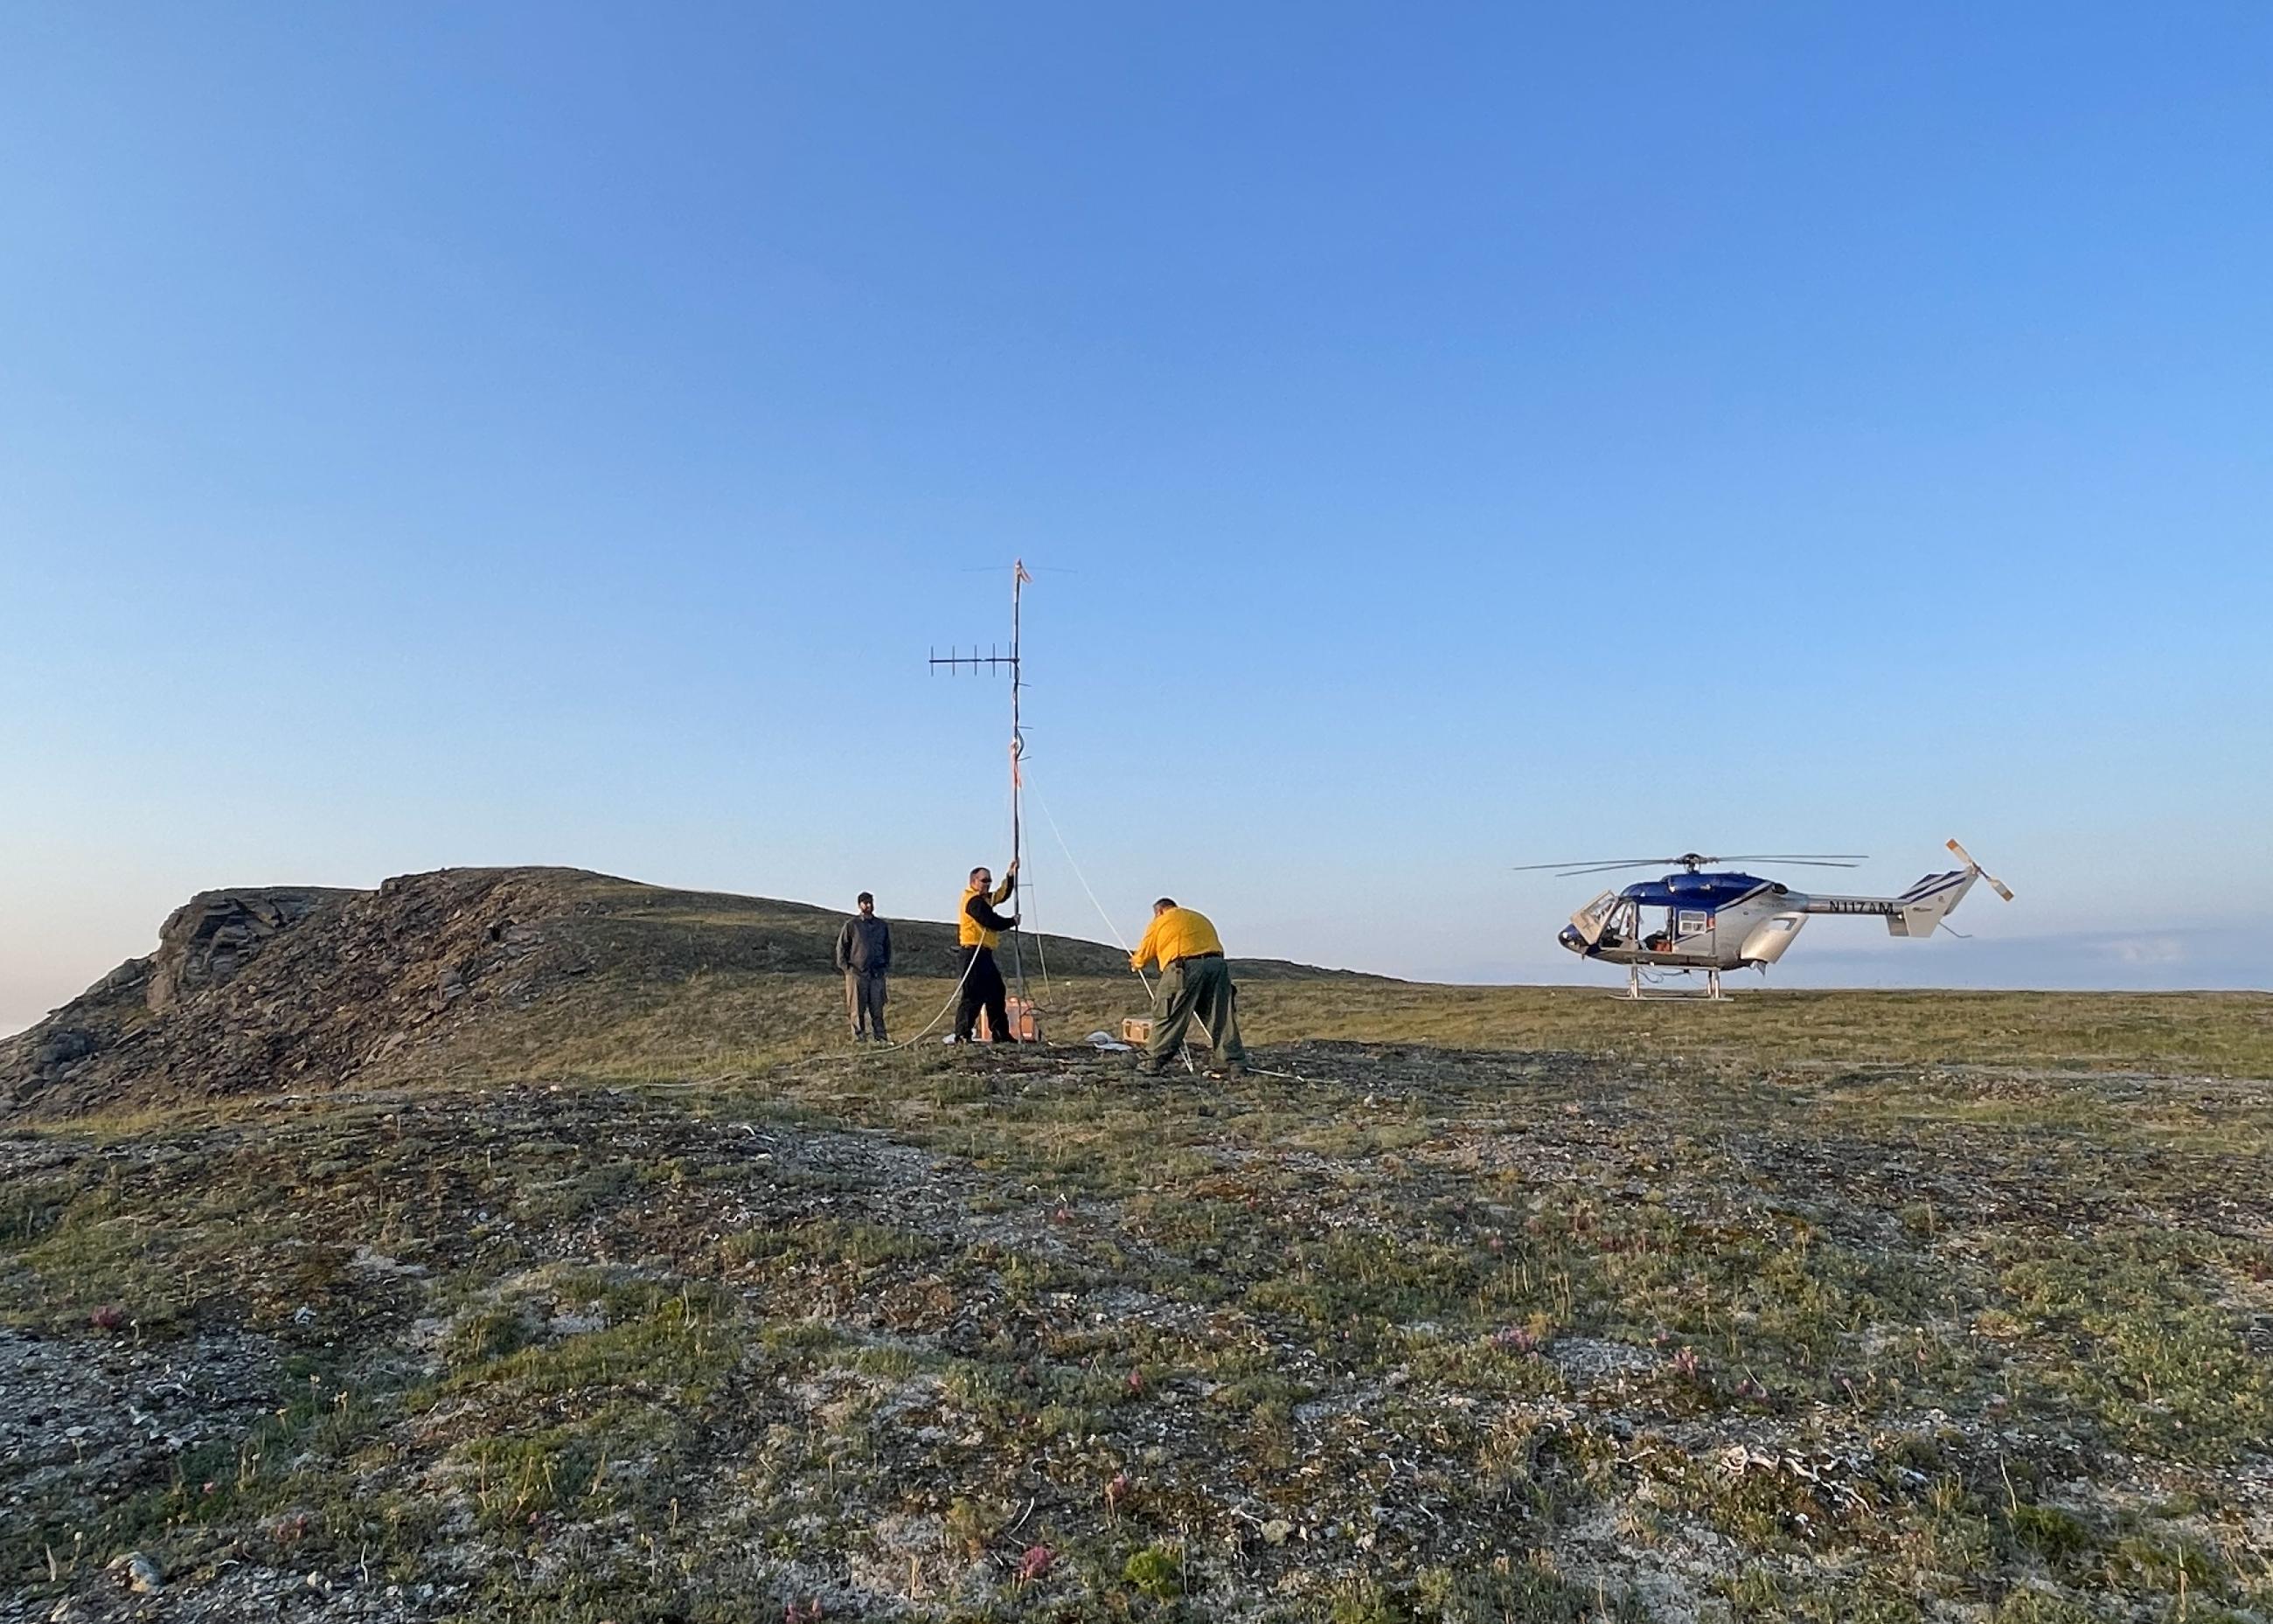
(977, 929)
(1193, 981)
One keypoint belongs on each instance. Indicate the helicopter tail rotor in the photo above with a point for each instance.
(1920, 910)
(1995, 884)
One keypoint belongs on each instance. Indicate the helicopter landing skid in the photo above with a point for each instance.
(1634, 993)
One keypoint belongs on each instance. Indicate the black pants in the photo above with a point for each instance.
(982, 989)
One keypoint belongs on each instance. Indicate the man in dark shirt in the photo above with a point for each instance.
(864, 952)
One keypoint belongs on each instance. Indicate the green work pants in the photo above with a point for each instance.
(1201, 989)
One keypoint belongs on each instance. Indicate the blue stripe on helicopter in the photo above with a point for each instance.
(1932, 885)
(1710, 892)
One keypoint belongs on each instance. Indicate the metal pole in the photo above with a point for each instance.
(1017, 584)
(1018, 748)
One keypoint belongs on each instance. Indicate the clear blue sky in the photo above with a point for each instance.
(1446, 438)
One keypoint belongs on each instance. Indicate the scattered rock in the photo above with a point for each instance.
(137, 1573)
(62, 1048)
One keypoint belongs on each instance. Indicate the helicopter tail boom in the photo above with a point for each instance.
(1915, 912)
(1919, 910)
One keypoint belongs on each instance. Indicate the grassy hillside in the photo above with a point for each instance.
(646, 1298)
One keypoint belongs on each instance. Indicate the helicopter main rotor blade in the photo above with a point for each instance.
(1583, 864)
(1840, 859)
(1604, 868)
(1695, 860)
(1793, 862)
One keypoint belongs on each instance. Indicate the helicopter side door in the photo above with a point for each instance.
(1690, 930)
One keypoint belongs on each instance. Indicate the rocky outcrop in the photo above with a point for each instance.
(207, 941)
(254, 990)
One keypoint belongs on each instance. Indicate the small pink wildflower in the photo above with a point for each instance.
(109, 1317)
(1686, 1363)
(1035, 1563)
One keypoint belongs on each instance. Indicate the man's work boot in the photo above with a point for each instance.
(1235, 1068)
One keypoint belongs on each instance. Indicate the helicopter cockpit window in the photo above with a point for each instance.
(1693, 922)
(1608, 920)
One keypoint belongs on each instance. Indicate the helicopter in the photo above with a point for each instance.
(1723, 921)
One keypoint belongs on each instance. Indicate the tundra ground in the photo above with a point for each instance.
(1483, 1306)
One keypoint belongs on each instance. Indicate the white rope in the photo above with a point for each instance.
(1077, 874)
(953, 993)
(931, 1025)
(1042, 947)
(1109, 925)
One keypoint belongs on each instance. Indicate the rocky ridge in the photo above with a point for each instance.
(278, 987)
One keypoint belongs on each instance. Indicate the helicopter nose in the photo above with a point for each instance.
(1569, 937)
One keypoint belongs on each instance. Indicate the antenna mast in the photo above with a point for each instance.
(956, 661)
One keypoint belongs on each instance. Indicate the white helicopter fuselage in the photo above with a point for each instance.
(1724, 922)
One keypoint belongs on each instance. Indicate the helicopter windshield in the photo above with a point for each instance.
(1609, 921)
